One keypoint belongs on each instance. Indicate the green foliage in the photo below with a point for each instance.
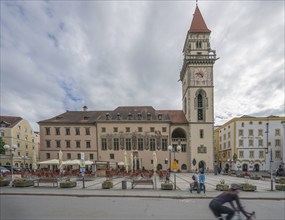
(2, 143)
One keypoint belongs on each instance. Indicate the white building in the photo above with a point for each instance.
(249, 143)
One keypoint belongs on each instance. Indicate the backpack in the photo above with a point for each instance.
(193, 177)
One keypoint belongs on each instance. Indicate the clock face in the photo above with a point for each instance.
(200, 73)
(200, 76)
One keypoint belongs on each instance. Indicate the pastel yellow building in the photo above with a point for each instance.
(250, 143)
(17, 131)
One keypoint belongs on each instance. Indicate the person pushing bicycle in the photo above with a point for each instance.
(217, 204)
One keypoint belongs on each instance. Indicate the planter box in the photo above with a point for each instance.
(280, 187)
(23, 183)
(107, 185)
(248, 187)
(280, 180)
(166, 186)
(222, 187)
(4, 183)
(67, 184)
(255, 177)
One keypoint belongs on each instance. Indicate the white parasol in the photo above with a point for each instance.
(49, 162)
(60, 165)
(126, 161)
(132, 162)
(35, 166)
(154, 159)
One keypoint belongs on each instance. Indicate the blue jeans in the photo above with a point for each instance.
(193, 185)
(204, 187)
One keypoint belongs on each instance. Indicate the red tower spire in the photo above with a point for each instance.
(198, 24)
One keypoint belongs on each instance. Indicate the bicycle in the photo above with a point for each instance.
(239, 216)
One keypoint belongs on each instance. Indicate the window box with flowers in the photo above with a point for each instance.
(222, 186)
(22, 183)
(4, 182)
(67, 184)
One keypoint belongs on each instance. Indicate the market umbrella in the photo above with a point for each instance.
(49, 162)
(35, 166)
(132, 161)
(60, 165)
(135, 163)
(126, 161)
(154, 159)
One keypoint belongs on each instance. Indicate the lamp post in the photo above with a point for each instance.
(174, 150)
(11, 149)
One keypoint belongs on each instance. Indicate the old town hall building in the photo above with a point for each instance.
(142, 130)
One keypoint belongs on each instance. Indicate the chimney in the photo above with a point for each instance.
(85, 109)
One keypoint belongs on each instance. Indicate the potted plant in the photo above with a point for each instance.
(107, 184)
(280, 180)
(22, 183)
(4, 182)
(222, 186)
(167, 185)
(254, 177)
(247, 187)
(67, 184)
(280, 187)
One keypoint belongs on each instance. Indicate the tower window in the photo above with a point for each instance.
(198, 44)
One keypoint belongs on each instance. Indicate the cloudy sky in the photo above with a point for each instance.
(62, 55)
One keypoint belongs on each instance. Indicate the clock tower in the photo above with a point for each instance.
(198, 92)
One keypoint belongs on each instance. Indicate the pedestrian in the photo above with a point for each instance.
(217, 204)
(195, 183)
(202, 181)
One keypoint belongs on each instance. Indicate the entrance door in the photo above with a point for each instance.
(245, 167)
(256, 167)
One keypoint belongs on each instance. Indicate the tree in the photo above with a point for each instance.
(2, 143)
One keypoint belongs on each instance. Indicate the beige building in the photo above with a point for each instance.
(17, 131)
(142, 130)
(246, 143)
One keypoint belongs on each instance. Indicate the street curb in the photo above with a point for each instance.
(136, 196)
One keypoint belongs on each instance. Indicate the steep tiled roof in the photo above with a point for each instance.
(11, 121)
(122, 113)
(198, 24)
(176, 116)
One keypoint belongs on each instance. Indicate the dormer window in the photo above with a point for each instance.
(159, 116)
(148, 116)
(130, 116)
(139, 116)
(118, 116)
(107, 116)
(86, 117)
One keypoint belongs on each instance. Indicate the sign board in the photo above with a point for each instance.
(82, 169)
(174, 165)
(82, 155)
(82, 163)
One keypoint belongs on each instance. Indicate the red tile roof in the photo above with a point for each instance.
(198, 24)
(10, 120)
(122, 113)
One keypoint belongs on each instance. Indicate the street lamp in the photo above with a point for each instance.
(11, 149)
(174, 150)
